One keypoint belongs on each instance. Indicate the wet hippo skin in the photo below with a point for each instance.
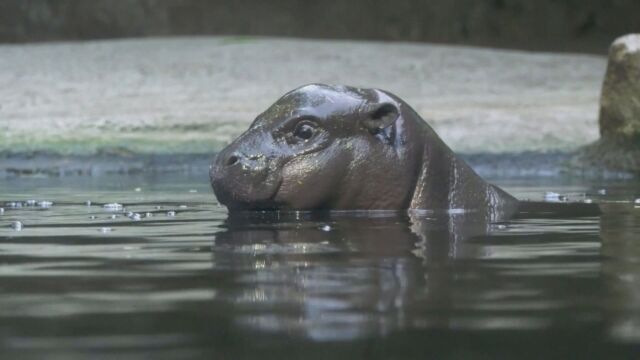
(345, 148)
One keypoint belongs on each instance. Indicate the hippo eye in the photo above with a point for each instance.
(304, 130)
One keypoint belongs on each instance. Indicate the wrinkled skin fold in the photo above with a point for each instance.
(323, 147)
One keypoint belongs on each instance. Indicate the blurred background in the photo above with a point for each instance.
(552, 25)
(125, 78)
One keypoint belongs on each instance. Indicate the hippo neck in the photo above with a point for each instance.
(448, 183)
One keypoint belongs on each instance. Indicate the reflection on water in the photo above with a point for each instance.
(345, 285)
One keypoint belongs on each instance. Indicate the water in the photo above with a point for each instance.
(186, 281)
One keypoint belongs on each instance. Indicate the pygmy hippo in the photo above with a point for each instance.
(346, 148)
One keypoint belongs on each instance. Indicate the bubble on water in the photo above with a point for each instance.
(602, 191)
(158, 207)
(501, 226)
(88, 203)
(113, 207)
(193, 191)
(13, 204)
(105, 230)
(182, 206)
(137, 189)
(1, 211)
(171, 213)
(325, 227)
(135, 217)
(17, 225)
(45, 204)
(637, 201)
(553, 196)
(588, 201)
(148, 215)
(114, 216)
(129, 213)
(93, 217)
(31, 202)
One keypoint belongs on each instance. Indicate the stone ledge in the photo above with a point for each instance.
(194, 94)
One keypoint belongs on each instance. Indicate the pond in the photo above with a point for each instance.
(170, 275)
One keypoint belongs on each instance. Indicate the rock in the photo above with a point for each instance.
(619, 146)
(620, 99)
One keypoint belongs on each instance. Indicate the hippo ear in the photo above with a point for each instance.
(380, 116)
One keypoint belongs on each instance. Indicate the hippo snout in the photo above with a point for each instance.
(239, 179)
(236, 164)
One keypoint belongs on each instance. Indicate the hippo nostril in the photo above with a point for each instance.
(232, 160)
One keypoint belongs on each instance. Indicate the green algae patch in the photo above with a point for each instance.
(121, 144)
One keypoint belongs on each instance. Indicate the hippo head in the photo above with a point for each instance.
(322, 147)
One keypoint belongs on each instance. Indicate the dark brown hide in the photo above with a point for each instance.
(345, 148)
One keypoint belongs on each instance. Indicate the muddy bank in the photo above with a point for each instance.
(193, 95)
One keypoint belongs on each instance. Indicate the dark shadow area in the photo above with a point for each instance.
(568, 25)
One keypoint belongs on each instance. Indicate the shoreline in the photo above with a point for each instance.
(531, 165)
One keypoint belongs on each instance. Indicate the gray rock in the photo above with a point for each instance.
(618, 148)
(620, 101)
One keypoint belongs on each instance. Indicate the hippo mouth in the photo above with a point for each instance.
(241, 203)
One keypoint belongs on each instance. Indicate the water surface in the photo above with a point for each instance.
(76, 282)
